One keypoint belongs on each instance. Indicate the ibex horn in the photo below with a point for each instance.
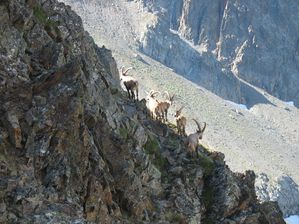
(199, 129)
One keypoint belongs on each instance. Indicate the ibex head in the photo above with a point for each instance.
(151, 94)
(200, 131)
(178, 112)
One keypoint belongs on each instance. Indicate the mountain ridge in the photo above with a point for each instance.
(74, 149)
(263, 138)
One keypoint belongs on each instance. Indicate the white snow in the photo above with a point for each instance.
(293, 219)
(290, 103)
(239, 106)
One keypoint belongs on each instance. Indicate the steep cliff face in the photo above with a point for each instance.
(283, 190)
(255, 41)
(73, 149)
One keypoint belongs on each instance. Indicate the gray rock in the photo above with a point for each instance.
(283, 190)
(14, 129)
(227, 41)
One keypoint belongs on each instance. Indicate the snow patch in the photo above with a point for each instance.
(239, 106)
(293, 219)
(290, 103)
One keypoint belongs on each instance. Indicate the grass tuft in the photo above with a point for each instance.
(174, 217)
(153, 149)
(206, 163)
(40, 14)
(50, 25)
(208, 196)
(124, 133)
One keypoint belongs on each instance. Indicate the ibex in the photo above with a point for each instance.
(193, 139)
(130, 83)
(152, 104)
(164, 106)
(180, 122)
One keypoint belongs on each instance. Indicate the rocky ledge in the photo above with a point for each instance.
(74, 149)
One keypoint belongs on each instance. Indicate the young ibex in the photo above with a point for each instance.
(180, 122)
(130, 83)
(152, 104)
(164, 106)
(193, 139)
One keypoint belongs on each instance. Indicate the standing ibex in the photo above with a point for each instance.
(164, 106)
(152, 103)
(193, 139)
(180, 122)
(130, 83)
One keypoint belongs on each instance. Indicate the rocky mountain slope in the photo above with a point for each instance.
(224, 41)
(74, 149)
(263, 138)
(222, 46)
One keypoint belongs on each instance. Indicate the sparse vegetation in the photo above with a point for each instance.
(174, 217)
(50, 25)
(208, 221)
(206, 163)
(152, 148)
(208, 193)
(152, 145)
(40, 14)
(127, 131)
(124, 132)
(207, 196)
(208, 200)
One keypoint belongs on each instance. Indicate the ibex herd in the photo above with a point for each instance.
(159, 109)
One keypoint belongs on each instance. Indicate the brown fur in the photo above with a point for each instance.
(181, 122)
(163, 107)
(152, 104)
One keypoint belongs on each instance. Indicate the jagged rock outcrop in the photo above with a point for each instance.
(212, 42)
(283, 190)
(73, 149)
